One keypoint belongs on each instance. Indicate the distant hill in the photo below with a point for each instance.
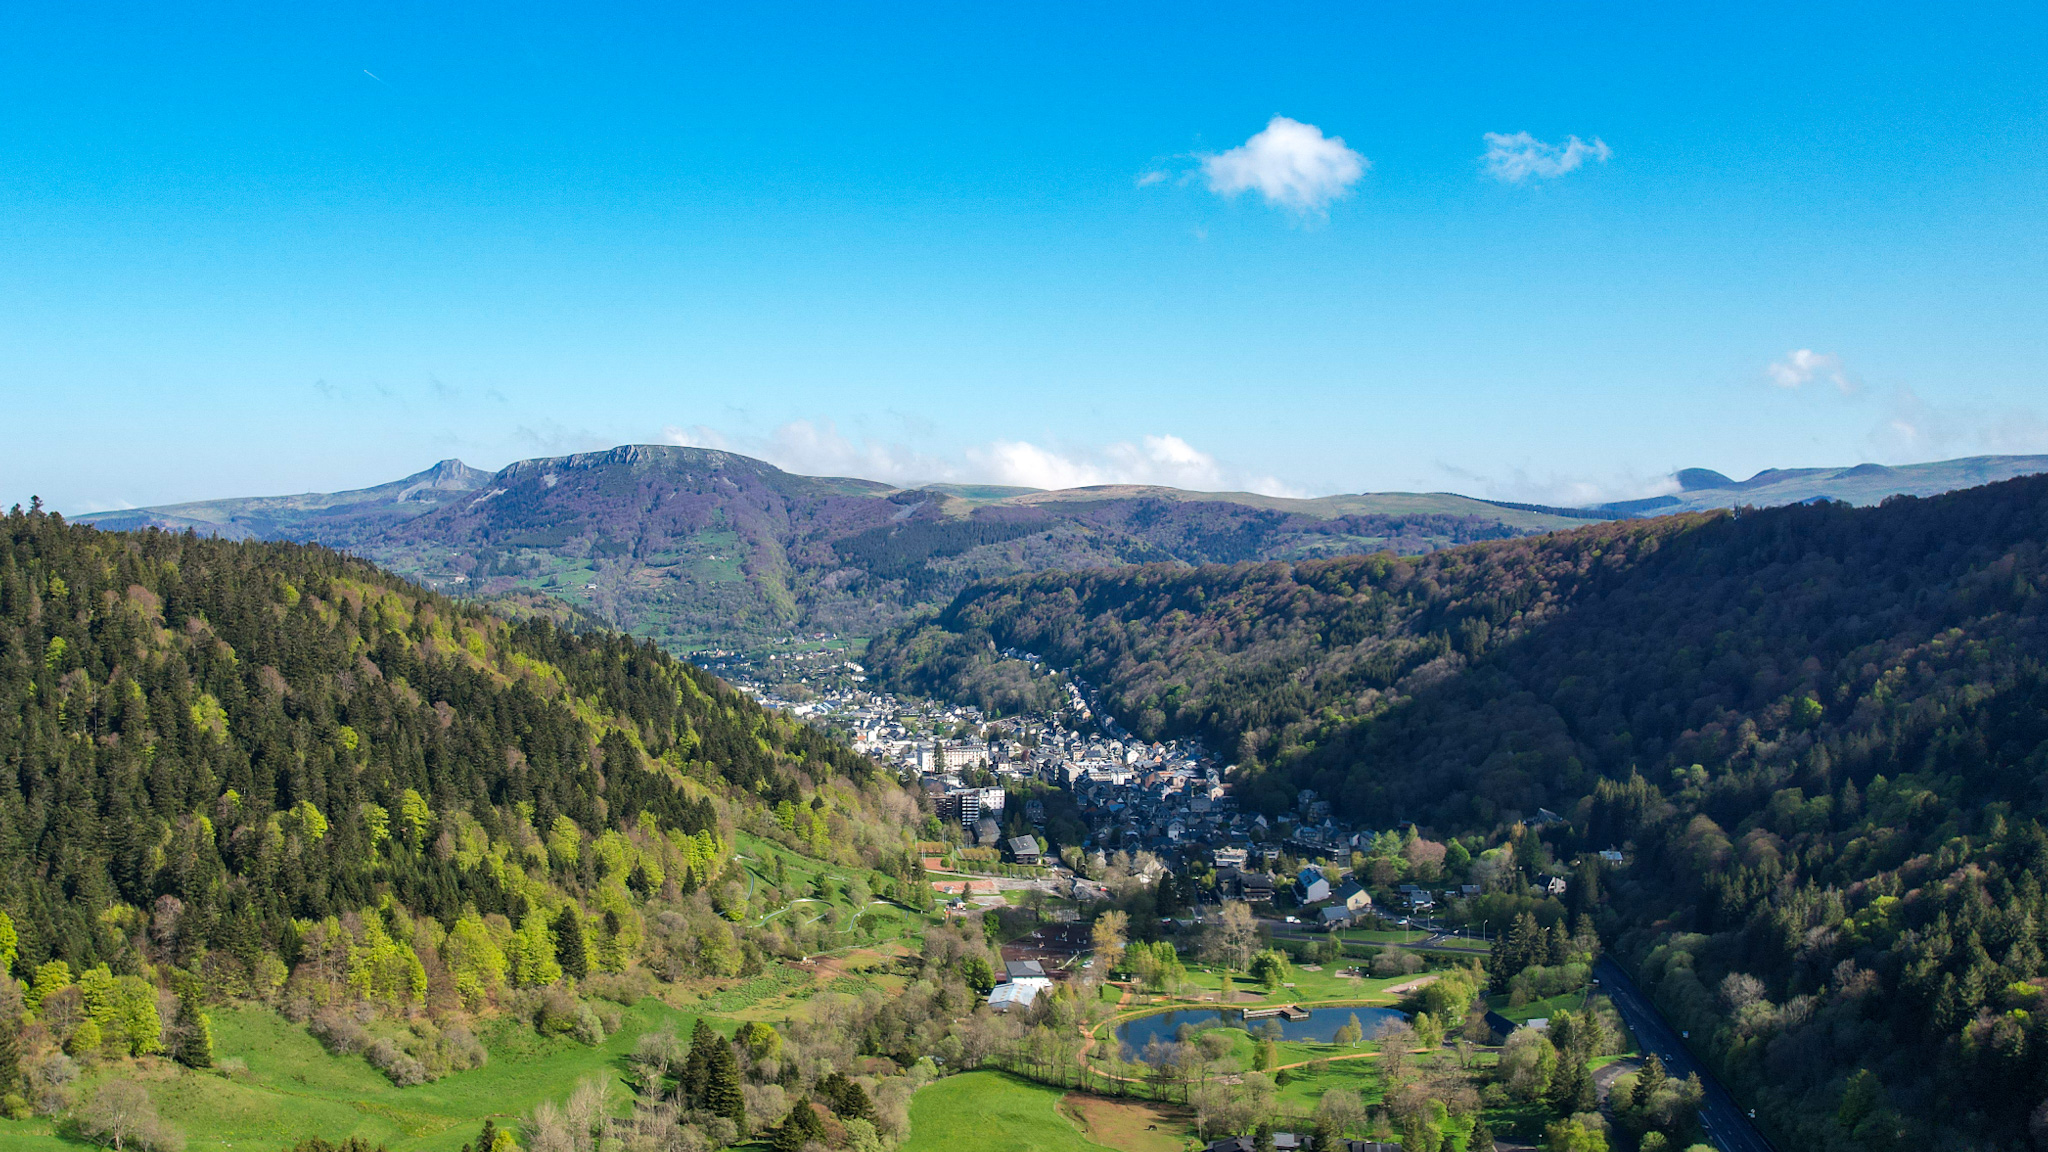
(695, 546)
(1863, 484)
(334, 518)
(699, 547)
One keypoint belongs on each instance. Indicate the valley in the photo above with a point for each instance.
(522, 862)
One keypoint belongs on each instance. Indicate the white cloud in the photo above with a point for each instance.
(1291, 164)
(818, 449)
(1514, 158)
(1802, 366)
(1165, 460)
(1147, 179)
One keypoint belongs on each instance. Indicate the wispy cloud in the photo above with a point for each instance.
(1803, 366)
(1912, 429)
(819, 448)
(1514, 158)
(1559, 490)
(1291, 165)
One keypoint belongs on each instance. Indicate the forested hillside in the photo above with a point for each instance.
(251, 734)
(264, 777)
(1819, 733)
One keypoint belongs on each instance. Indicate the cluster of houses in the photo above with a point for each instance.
(1172, 798)
(1021, 983)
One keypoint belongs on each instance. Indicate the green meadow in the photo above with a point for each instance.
(991, 1112)
(293, 1089)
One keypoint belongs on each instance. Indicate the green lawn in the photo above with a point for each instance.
(991, 1112)
(293, 1089)
(1538, 1009)
(1303, 1088)
(1308, 987)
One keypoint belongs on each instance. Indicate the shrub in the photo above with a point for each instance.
(402, 1069)
(339, 1033)
(556, 1013)
(589, 1029)
(121, 1114)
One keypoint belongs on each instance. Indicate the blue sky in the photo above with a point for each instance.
(254, 250)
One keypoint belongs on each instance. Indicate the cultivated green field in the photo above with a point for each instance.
(991, 1112)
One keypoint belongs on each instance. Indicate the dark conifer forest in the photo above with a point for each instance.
(1817, 735)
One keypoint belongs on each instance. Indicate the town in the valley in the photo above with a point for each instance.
(1071, 802)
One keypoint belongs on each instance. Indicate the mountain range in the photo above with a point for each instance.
(696, 547)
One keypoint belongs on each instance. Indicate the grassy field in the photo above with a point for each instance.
(1129, 1125)
(1304, 1088)
(992, 1112)
(1538, 1009)
(293, 1089)
(1302, 987)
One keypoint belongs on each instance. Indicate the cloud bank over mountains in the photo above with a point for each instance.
(818, 448)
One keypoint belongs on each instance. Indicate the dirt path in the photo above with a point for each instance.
(1403, 989)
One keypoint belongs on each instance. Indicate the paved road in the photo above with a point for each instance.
(1728, 1127)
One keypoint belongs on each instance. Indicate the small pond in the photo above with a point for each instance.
(1321, 1024)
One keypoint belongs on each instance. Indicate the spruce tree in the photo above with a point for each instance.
(570, 952)
(798, 1128)
(194, 1045)
(722, 1094)
(696, 1077)
(1650, 1079)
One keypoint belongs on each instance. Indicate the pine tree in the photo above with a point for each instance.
(1481, 1139)
(569, 949)
(1325, 1135)
(1264, 1139)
